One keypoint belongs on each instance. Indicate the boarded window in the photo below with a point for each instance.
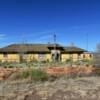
(83, 56)
(41, 56)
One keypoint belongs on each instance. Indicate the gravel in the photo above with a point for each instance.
(80, 88)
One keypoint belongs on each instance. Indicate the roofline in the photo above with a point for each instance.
(4, 50)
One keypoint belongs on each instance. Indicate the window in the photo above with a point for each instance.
(25, 56)
(5, 55)
(71, 56)
(41, 56)
(90, 56)
(79, 56)
(83, 56)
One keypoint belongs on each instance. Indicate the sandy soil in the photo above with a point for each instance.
(64, 88)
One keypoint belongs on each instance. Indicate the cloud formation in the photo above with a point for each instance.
(2, 36)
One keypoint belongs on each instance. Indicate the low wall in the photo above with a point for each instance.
(69, 70)
(6, 72)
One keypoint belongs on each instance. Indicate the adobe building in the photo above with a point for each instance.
(42, 52)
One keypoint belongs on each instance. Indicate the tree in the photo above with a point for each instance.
(98, 48)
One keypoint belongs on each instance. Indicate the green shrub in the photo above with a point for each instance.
(35, 75)
(39, 75)
(87, 62)
(77, 62)
(69, 60)
(25, 74)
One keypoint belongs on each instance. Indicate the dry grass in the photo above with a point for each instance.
(63, 87)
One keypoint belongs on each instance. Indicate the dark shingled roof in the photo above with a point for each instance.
(71, 49)
(25, 48)
(15, 48)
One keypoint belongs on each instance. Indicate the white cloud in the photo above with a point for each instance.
(2, 36)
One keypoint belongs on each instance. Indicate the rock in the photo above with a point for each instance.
(68, 95)
(33, 96)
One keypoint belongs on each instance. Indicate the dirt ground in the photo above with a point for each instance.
(6, 72)
(64, 88)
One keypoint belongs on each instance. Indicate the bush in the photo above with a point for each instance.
(68, 60)
(39, 75)
(25, 74)
(85, 62)
(77, 62)
(35, 75)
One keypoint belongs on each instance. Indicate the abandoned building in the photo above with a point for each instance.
(42, 52)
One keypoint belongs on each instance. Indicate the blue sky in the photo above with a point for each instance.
(35, 21)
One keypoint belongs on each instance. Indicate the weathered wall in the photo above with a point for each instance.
(9, 57)
(47, 57)
(87, 56)
(64, 57)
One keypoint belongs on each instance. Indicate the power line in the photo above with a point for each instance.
(23, 38)
(87, 41)
(54, 38)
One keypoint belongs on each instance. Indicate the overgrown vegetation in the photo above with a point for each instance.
(35, 75)
(83, 62)
(68, 62)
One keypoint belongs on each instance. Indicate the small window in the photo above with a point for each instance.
(41, 56)
(90, 56)
(5, 55)
(71, 56)
(24, 56)
(79, 56)
(83, 56)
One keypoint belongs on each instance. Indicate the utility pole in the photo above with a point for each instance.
(24, 41)
(55, 51)
(87, 40)
(21, 48)
(54, 41)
